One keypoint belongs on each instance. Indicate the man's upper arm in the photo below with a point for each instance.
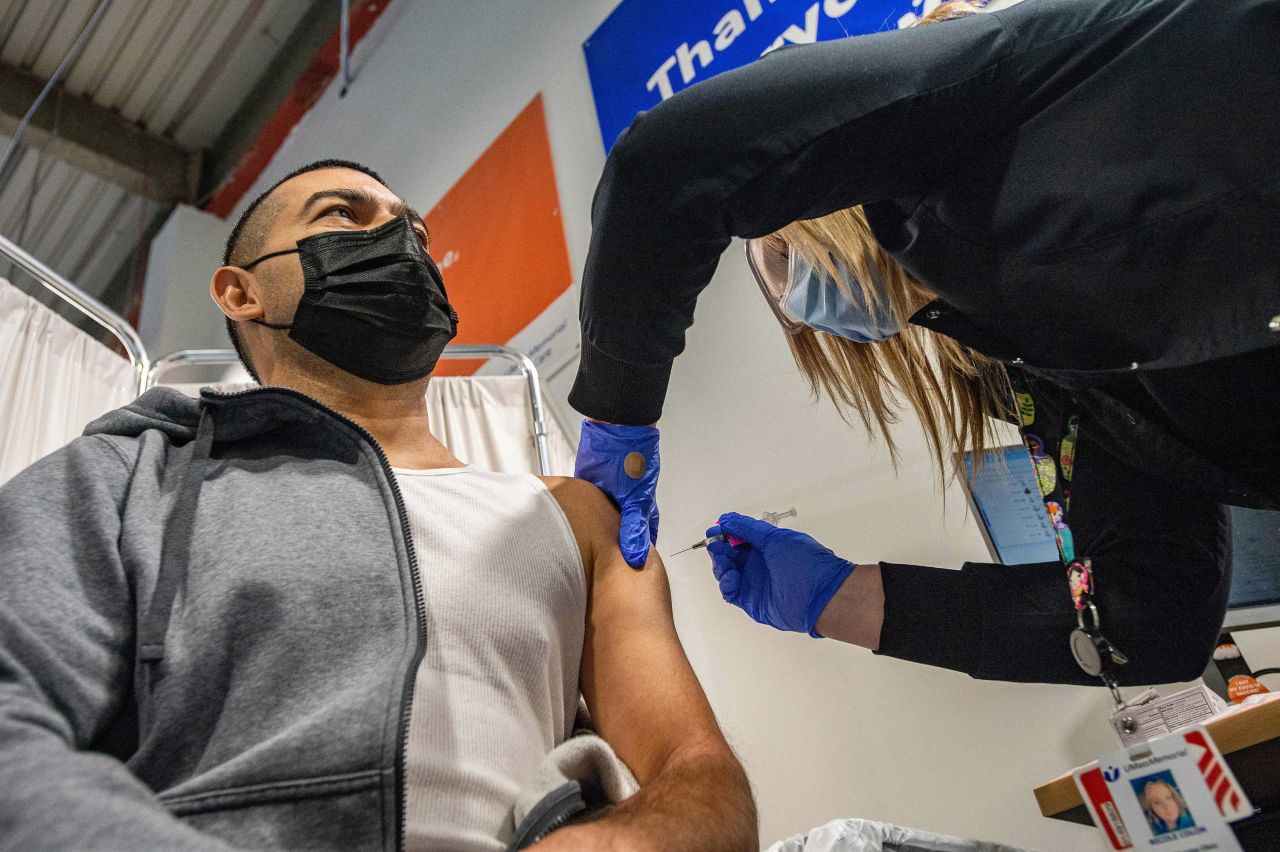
(67, 614)
(66, 635)
(644, 697)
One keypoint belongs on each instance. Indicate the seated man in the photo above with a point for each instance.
(290, 618)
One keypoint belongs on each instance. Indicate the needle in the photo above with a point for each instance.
(767, 517)
(701, 544)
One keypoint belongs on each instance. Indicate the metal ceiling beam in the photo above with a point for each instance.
(99, 141)
(264, 100)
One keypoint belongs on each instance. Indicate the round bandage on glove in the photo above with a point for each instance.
(623, 462)
(779, 577)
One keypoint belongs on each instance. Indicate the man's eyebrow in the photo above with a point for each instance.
(352, 196)
(362, 198)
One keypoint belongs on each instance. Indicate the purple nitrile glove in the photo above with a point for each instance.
(779, 577)
(622, 461)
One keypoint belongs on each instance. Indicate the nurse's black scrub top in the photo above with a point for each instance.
(1092, 188)
(1086, 184)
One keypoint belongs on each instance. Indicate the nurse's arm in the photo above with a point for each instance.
(647, 704)
(855, 612)
(798, 134)
(1162, 593)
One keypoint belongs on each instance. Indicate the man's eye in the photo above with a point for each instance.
(340, 210)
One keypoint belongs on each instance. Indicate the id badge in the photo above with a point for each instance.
(1175, 794)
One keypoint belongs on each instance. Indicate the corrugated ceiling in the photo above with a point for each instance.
(178, 68)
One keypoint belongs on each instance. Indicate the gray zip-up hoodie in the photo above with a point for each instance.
(208, 609)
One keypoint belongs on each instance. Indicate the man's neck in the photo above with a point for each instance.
(396, 415)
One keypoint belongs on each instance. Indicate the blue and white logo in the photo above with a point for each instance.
(647, 50)
(1112, 773)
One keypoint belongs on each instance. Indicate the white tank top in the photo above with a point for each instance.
(497, 689)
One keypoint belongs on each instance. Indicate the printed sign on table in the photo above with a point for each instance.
(647, 50)
(499, 241)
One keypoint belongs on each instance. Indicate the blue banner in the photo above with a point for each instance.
(648, 50)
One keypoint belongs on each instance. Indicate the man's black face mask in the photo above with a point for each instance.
(373, 303)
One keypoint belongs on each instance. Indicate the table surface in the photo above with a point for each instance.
(1249, 739)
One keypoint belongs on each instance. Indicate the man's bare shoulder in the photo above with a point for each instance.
(591, 516)
(585, 505)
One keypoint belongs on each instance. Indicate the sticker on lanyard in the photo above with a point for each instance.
(1067, 449)
(1046, 470)
(1026, 408)
(1061, 532)
(1080, 581)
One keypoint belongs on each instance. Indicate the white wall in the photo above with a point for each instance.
(825, 730)
(177, 312)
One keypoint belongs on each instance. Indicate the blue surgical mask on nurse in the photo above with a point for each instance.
(819, 301)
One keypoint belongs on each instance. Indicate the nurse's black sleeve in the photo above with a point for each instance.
(798, 134)
(1162, 562)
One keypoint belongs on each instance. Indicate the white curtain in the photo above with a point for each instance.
(483, 420)
(54, 379)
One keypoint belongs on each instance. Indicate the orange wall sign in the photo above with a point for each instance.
(498, 238)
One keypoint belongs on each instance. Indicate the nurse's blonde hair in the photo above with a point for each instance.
(953, 389)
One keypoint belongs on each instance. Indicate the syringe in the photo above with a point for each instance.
(774, 517)
(767, 517)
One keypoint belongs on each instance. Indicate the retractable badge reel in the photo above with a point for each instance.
(1093, 652)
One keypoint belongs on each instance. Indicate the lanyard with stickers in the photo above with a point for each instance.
(1173, 793)
(1051, 441)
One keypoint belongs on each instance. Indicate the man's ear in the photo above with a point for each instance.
(235, 291)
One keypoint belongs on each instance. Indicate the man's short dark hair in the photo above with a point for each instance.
(250, 232)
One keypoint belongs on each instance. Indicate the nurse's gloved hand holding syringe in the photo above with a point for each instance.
(786, 579)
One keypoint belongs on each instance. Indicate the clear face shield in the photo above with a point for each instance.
(772, 264)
